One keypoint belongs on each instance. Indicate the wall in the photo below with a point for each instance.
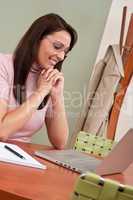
(88, 17)
(111, 33)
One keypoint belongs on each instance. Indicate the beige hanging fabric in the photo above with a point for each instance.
(127, 58)
(100, 95)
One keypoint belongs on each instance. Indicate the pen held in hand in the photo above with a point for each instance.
(14, 152)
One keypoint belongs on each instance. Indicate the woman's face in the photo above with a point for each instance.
(53, 49)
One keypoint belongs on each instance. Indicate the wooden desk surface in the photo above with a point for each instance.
(54, 183)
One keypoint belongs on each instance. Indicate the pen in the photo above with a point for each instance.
(14, 152)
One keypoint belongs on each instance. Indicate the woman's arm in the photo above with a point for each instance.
(56, 121)
(56, 124)
(14, 120)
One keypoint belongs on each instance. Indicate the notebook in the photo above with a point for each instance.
(8, 156)
(70, 159)
(116, 162)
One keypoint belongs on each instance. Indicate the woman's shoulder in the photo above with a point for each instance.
(6, 58)
(6, 64)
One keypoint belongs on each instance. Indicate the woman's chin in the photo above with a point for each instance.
(47, 66)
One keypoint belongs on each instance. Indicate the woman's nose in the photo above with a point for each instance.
(61, 55)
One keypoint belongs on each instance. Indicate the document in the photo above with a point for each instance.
(13, 154)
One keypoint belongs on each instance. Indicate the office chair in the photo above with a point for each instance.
(4, 195)
(96, 145)
(90, 186)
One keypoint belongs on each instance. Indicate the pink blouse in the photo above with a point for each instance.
(6, 93)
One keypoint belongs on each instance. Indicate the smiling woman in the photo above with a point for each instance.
(55, 47)
(31, 82)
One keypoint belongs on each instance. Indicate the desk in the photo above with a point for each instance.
(54, 183)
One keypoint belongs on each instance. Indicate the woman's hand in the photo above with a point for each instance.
(51, 81)
(44, 82)
(57, 85)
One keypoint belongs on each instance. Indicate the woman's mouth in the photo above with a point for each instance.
(53, 62)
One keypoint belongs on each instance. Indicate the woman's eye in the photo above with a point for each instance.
(57, 46)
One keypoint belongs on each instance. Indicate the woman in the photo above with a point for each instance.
(31, 82)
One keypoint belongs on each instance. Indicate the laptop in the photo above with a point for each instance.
(115, 162)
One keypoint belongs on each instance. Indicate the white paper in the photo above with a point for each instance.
(7, 156)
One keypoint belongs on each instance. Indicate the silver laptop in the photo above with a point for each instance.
(116, 162)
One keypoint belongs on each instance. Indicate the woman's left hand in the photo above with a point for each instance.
(58, 85)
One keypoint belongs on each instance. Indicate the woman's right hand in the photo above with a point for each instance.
(45, 80)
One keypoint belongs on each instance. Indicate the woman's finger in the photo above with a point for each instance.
(48, 72)
(52, 74)
(58, 77)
